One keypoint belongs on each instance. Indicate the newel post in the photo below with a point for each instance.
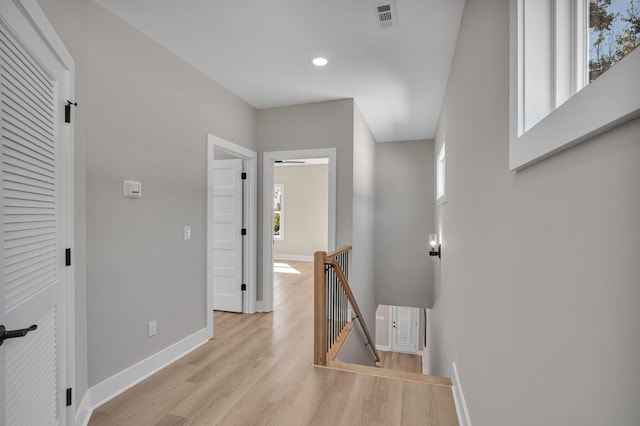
(319, 310)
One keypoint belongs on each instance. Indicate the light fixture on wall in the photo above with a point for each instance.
(435, 247)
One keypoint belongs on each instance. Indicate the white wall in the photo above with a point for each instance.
(404, 219)
(312, 126)
(538, 290)
(383, 316)
(305, 209)
(143, 114)
(362, 273)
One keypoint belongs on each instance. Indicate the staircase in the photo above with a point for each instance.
(335, 312)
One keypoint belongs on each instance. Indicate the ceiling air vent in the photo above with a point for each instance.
(385, 14)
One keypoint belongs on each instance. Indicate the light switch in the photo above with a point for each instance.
(132, 189)
(187, 233)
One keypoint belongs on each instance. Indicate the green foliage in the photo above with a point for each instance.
(276, 224)
(614, 34)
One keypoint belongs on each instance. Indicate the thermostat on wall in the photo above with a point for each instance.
(132, 189)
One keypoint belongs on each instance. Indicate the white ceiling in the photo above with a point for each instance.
(261, 51)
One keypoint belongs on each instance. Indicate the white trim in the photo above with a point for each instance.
(118, 383)
(458, 399)
(298, 257)
(441, 173)
(251, 223)
(267, 213)
(84, 410)
(383, 348)
(613, 99)
(425, 361)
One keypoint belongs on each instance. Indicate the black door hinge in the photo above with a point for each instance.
(68, 397)
(67, 257)
(243, 287)
(244, 176)
(67, 111)
(243, 231)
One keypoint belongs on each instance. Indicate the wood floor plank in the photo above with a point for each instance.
(258, 371)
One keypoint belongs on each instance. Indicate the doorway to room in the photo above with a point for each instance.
(299, 211)
(231, 227)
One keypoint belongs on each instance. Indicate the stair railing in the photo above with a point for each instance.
(332, 299)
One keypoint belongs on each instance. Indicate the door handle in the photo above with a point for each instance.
(12, 334)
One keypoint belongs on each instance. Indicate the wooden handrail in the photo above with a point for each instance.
(338, 252)
(327, 345)
(354, 305)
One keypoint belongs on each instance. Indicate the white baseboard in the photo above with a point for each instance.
(83, 413)
(115, 385)
(458, 399)
(383, 348)
(298, 257)
(425, 362)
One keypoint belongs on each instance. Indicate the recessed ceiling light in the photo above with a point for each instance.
(319, 61)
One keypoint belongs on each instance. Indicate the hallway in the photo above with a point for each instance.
(258, 370)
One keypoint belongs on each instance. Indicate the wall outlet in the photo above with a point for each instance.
(187, 233)
(153, 328)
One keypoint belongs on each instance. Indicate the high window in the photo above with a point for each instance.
(278, 213)
(573, 73)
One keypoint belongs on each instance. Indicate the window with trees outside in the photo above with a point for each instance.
(574, 73)
(278, 216)
(614, 32)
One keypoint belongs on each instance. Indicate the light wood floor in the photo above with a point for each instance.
(258, 371)
(401, 362)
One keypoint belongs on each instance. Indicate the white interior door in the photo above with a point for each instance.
(35, 146)
(227, 237)
(404, 329)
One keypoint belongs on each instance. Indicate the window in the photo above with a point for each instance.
(558, 48)
(278, 216)
(441, 197)
(614, 32)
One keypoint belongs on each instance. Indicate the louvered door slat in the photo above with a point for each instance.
(34, 97)
(25, 147)
(22, 255)
(27, 189)
(20, 159)
(27, 287)
(16, 84)
(35, 78)
(19, 197)
(20, 127)
(17, 99)
(25, 273)
(9, 228)
(35, 204)
(41, 369)
(31, 174)
(21, 237)
(34, 81)
(12, 103)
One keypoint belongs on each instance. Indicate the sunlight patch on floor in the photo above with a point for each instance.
(284, 268)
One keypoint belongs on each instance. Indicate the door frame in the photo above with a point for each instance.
(268, 159)
(33, 13)
(392, 316)
(250, 219)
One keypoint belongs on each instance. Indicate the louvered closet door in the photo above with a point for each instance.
(32, 368)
